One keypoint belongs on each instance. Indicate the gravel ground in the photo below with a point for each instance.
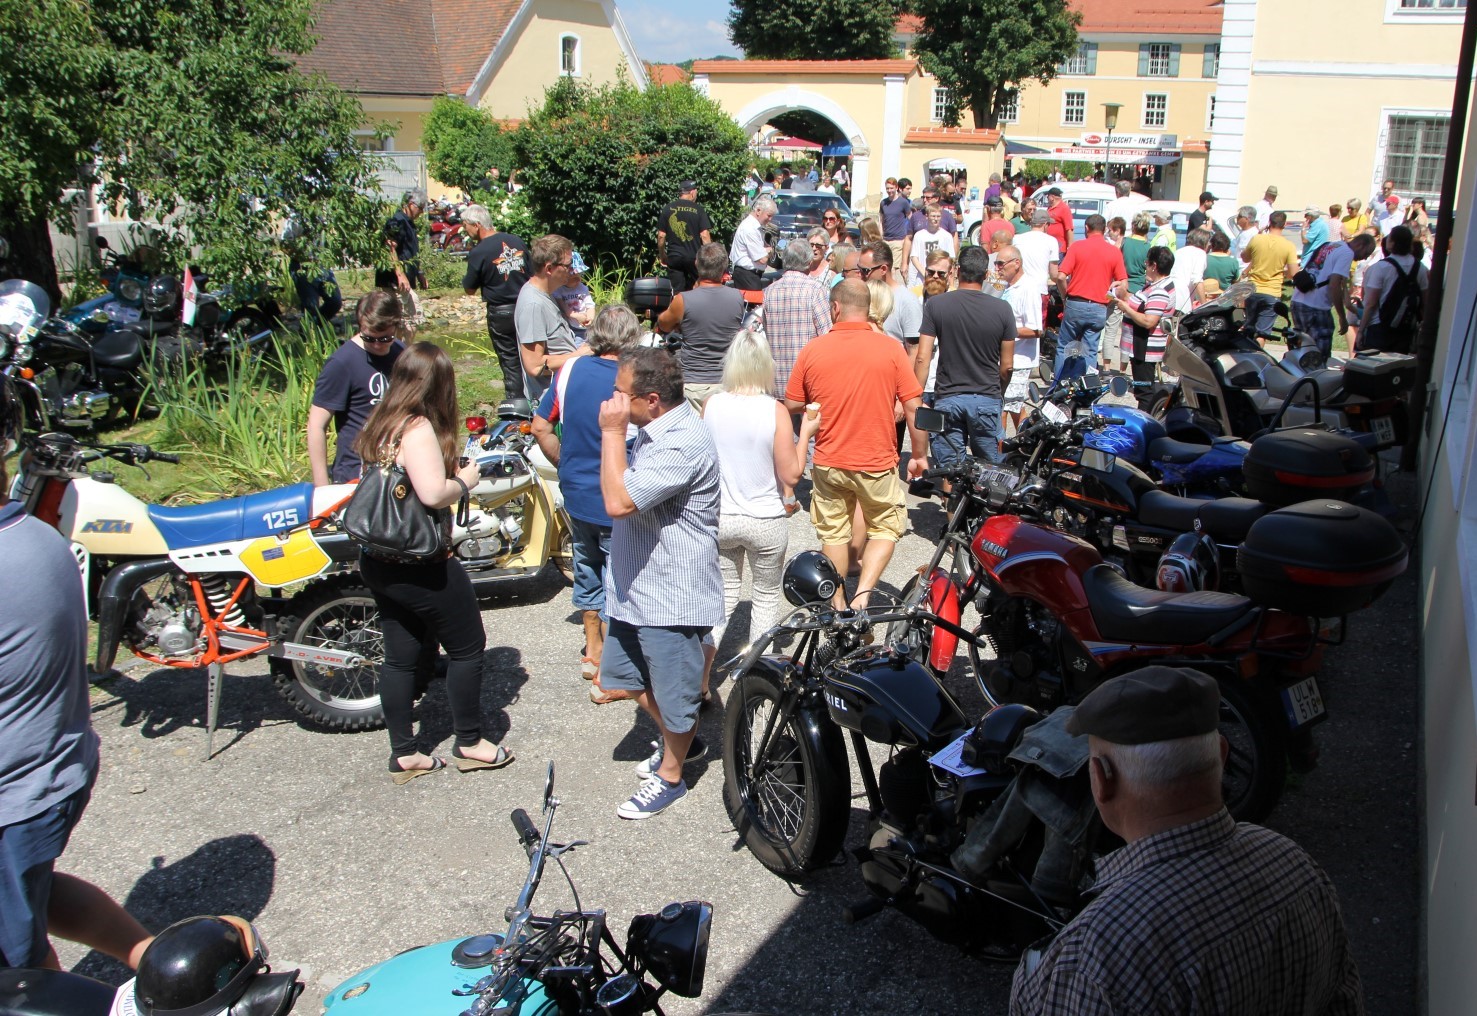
(302, 831)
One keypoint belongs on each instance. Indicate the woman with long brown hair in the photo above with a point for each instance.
(423, 603)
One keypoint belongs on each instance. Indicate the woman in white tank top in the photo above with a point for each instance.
(757, 452)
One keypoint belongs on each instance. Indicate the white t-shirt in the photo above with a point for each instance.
(1039, 251)
(1263, 213)
(1381, 277)
(906, 317)
(1025, 303)
(1243, 238)
(1340, 261)
(742, 428)
(747, 250)
(1189, 269)
(925, 243)
(1387, 221)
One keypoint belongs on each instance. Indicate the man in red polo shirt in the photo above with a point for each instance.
(857, 375)
(1061, 224)
(1086, 276)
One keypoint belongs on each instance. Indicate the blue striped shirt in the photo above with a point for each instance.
(663, 565)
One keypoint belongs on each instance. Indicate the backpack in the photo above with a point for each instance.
(1400, 310)
(1306, 280)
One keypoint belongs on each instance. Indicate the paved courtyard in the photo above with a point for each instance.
(302, 831)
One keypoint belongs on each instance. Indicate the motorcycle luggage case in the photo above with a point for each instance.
(653, 293)
(1320, 558)
(1289, 466)
(1379, 375)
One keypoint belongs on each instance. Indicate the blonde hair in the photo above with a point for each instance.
(870, 228)
(882, 301)
(748, 366)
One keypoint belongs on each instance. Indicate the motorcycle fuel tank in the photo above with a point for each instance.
(890, 699)
(108, 520)
(421, 981)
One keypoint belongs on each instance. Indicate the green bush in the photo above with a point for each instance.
(463, 143)
(443, 270)
(600, 163)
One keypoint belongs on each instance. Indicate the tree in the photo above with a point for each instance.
(600, 163)
(980, 50)
(191, 116)
(826, 30)
(463, 143)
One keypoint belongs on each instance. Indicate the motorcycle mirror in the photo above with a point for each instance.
(549, 787)
(1119, 385)
(930, 420)
(102, 243)
(1034, 390)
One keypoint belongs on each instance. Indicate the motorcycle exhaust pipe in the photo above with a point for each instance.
(113, 601)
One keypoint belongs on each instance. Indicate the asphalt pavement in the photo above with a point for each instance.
(302, 831)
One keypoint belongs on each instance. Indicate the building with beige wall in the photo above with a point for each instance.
(396, 56)
(1326, 98)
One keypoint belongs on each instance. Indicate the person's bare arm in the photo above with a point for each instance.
(1338, 296)
(318, 421)
(922, 357)
(615, 416)
(919, 439)
(907, 250)
(1053, 272)
(706, 236)
(473, 291)
(533, 355)
(671, 317)
(661, 246)
(794, 406)
(548, 441)
(426, 469)
(1007, 360)
(789, 454)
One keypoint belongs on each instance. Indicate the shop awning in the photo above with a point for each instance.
(1020, 148)
(837, 150)
(798, 144)
(946, 165)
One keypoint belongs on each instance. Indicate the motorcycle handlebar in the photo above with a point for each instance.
(527, 834)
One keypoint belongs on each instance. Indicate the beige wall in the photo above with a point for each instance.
(859, 97)
(533, 63)
(1300, 31)
(405, 115)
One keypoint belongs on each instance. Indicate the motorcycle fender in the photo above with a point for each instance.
(943, 600)
(113, 599)
(815, 719)
(421, 981)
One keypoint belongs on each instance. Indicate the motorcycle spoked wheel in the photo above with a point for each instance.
(564, 555)
(1256, 765)
(338, 613)
(791, 806)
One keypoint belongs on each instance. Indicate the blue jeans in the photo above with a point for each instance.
(27, 851)
(970, 421)
(1082, 321)
(591, 550)
(1261, 315)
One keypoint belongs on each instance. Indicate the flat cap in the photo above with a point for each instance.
(1148, 705)
(1040, 217)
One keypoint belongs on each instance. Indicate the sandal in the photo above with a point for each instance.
(601, 697)
(589, 669)
(467, 764)
(401, 776)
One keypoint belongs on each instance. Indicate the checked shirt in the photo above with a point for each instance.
(797, 308)
(1211, 917)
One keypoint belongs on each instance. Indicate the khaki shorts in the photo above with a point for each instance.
(836, 494)
(697, 394)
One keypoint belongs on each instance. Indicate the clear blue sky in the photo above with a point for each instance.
(668, 32)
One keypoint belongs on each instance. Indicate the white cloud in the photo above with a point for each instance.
(671, 32)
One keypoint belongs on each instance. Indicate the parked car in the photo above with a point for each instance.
(800, 212)
(1083, 198)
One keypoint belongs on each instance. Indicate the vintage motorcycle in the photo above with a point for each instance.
(541, 965)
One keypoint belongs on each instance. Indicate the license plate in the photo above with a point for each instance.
(1303, 703)
(1384, 430)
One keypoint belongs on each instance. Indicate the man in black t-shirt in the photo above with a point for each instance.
(975, 332)
(352, 382)
(497, 269)
(404, 273)
(684, 228)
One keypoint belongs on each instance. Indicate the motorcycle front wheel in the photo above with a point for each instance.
(339, 613)
(786, 783)
(1256, 765)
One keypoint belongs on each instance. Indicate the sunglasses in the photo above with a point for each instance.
(387, 337)
(817, 246)
(936, 273)
(867, 272)
(829, 218)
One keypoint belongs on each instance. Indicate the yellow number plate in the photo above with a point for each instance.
(277, 562)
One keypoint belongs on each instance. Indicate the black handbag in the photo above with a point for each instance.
(385, 517)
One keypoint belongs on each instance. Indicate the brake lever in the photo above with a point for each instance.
(559, 849)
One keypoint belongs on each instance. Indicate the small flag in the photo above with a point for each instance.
(191, 292)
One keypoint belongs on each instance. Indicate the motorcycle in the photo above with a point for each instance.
(945, 841)
(1060, 621)
(567, 962)
(445, 226)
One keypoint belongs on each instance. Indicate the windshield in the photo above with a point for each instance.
(810, 205)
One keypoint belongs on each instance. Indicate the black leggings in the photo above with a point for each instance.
(1144, 371)
(421, 605)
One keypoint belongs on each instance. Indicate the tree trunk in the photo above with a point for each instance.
(31, 256)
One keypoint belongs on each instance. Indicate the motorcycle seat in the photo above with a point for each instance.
(118, 349)
(1224, 520)
(1280, 382)
(1125, 612)
(1167, 449)
(237, 518)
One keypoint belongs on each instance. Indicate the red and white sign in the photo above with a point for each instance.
(1125, 139)
(1100, 153)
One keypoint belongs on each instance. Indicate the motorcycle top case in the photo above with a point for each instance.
(1320, 558)
(1379, 375)
(891, 700)
(650, 293)
(1289, 466)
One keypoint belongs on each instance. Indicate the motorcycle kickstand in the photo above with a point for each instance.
(215, 679)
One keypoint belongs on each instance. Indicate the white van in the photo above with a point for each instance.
(1083, 198)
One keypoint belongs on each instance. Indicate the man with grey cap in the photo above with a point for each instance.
(1197, 914)
(682, 229)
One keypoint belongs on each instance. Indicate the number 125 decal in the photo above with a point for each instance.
(280, 519)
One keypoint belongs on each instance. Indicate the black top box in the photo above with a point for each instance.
(1289, 466)
(1321, 558)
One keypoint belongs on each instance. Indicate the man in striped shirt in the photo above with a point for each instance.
(663, 589)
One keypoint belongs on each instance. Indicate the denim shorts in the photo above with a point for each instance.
(591, 549)
(667, 661)
(28, 851)
(971, 423)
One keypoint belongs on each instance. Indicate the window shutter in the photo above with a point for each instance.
(1207, 67)
(1091, 49)
(1174, 60)
(1143, 59)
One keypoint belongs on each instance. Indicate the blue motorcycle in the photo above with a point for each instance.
(540, 965)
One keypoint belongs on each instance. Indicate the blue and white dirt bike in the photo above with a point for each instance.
(566, 963)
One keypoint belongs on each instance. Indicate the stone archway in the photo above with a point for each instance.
(786, 100)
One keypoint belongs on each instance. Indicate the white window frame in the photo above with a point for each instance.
(940, 100)
(1168, 48)
(1217, 61)
(1144, 113)
(1397, 13)
(1382, 140)
(1210, 112)
(1079, 55)
(1009, 115)
(576, 71)
(1074, 123)
(389, 142)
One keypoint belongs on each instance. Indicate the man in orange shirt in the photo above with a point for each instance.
(857, 375)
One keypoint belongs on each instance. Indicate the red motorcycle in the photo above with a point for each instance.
(1060, 621)
(446, 229)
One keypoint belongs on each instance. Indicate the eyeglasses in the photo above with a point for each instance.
(388, 337)
(565, 264)
(829, 218)
(937, 273)
(817, 246)
(851, 271)
(867, 272)
(1007, 261)
(633, 395)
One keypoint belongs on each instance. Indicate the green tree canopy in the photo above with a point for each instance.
(600, 163)
(979, 49)
(192, 116)
(825, 30)
(463, 143)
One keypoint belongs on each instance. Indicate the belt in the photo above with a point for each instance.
(1083, 299)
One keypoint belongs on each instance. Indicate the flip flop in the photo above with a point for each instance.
(400, 776)
(589, 669)
(467, 765)
(601, 697)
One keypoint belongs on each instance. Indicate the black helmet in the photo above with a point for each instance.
(515, 409)
(990, 743)
(162, 298)
(211, 966)
(810, 578)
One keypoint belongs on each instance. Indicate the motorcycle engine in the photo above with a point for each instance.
(494, 534)
(1023, 635)
(167, 624)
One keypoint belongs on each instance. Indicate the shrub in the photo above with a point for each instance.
(463, 143)
(600, 163)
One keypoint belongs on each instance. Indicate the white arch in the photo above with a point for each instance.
(787, 100)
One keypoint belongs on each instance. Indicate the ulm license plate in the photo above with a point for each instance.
(1384, 430)
(1303, 703)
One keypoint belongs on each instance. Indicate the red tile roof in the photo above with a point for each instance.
(831, 67)
(467, 31)
(952, 136)
(666, 74)
(1146, 17)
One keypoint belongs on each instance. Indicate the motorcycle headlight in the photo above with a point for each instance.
(129, 290)
(673, 945)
